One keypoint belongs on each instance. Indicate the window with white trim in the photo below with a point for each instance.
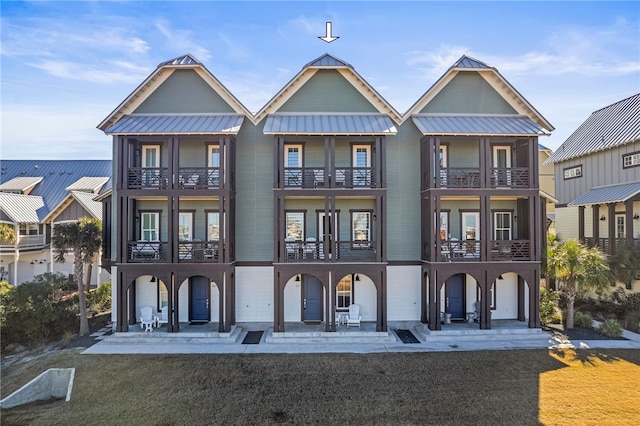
(573, 172)
(343, 293)
(361, 165)
(213, 226)
(185, 226)
(295, 225)
(29, 229)
(361, 228)
(502, 225)
(631, 160)
(150, 226)
(620, 232)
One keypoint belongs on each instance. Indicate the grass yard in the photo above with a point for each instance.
(525, 387)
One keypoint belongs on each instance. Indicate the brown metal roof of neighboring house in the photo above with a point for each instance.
(20, 184)
(608, 194)
(329, 124)
(467, 124)
(177, 124)
(21, 208)
(611, 126)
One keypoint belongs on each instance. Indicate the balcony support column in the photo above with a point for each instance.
(596, 224)
(628, 221)
(581, 224)
(611, 213)
(434, 301)
(534, 297)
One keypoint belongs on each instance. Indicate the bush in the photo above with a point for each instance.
(632, 321)
(582, 319)
(548, 305)
(37, 311)
(99, 300)
(632, 302)
(611, 328)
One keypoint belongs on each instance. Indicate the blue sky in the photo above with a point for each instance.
(66, 65)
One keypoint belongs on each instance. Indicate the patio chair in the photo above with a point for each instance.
(354, 315)
(147, 320)
(310, 248)
(476, 310)
(163, 318)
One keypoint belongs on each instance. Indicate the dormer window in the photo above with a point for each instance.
(573, 172)
(631, 160)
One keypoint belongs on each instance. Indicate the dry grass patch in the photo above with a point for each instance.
(484, 387)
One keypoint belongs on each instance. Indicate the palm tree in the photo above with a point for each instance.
(578, 269)
(626, 264)
(84, 238)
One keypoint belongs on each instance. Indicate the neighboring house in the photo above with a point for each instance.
(35, 195)
(325, 197)
(597, 172)
(547, 186)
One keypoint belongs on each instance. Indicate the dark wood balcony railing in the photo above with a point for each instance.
(199, 177)
(509, 177)
(342, 177)
(147, 251)
(148, 178)
(469, 250)
(460, 177)
(198, 251)
(339, 251)
(603, 243)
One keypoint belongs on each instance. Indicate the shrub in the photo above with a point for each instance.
(548, 305)
(99, 300)
(632, 302)
(38, 310)
(611, 328)
(632, 321)
(582, 319)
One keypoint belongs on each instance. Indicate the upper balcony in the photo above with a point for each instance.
(342, 177)
(24, 242)
(310, 250)
(160, 178)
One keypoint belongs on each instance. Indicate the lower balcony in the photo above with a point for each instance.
(339, 251)
(188, 252)
(454, 250)
(604, 244)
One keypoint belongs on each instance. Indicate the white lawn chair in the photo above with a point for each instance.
(354, 315)
(163, 318)
(147, 320)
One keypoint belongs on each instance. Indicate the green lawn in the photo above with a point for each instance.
(484, 387)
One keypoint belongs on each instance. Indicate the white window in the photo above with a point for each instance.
(361, 228)
(361, 165)
(163, 296)
(295, 225)
(573, 172)
(213, 226)
(293, 155)
(502, 165)
(151, 156)
(502, 226)
(150, 226)
(185, 226)
(471, 233)
(214, 156)
(29, 229)
(444, 225)
(343, 293)
(620, 233)
(631, 160)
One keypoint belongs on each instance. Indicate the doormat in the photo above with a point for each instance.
(252, 338)
(406, 336)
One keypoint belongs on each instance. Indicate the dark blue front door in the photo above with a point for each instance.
(312, 303)
(199, 299)
(455, 296)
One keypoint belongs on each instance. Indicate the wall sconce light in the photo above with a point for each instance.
(515, 218)
(500, 277)
(636, 216)
(357, 277)
(375, 217)
(33, 262)
(603, 218)
(153, 279)
(298, 278)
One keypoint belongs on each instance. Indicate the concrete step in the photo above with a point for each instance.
(338, 337)
(448, 335)
(182, 337)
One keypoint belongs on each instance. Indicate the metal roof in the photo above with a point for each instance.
(88, 184)
(181, 60)
(469, 62)
(329, 124)
(174, 124)
(327, 60)
(19, 184)
(611, 126)
(56, 176)
(21, 208)
(608, 194)
(86, 200)
(459, 124)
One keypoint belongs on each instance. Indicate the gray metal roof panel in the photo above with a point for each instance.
(468, 62)
(608, 194)
(86, 199)
(329, 124)
(57, 175)
(20, 184)
(88, 184)
(181, 60)
(611, 126)
(327, 60)
(464, 124)
(22, 208)
(162, 124)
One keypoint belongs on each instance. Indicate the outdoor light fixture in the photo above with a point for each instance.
(602, 217)
(298, 277)
(357, 277)
(500, 277)
(33, 262)
(636, 216)
(153, 279)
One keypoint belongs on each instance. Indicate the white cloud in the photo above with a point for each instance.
(116, 72)
(182, 41)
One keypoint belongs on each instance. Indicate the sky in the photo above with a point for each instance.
(65, 66)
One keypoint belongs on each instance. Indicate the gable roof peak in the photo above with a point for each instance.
(187, 59)
(469, 62)
(327, 61)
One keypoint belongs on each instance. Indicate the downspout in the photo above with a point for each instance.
(16, 255)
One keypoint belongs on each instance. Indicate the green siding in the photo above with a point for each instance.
(327, 91)
(468, 93)
(184, 92)
(403, 194)
(199, 217)
(254, 199)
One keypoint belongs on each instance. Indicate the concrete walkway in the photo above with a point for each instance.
(346, 341)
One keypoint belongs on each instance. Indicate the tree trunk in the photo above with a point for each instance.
(570, 301)
(88, 279)
(82, 301)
